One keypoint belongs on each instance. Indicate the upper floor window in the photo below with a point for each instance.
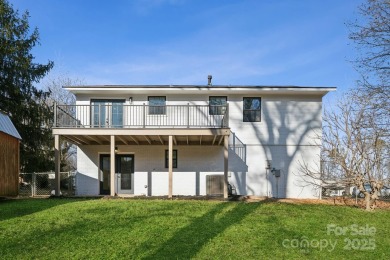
(252, 109)
(217, 105)
(157, 105)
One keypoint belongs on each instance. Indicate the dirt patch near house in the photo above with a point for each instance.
(339, 201)
(381, 204)
(293, 201)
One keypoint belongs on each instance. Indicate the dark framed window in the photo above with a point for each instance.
(217, 105)
(252, 109)
(157, 105)
(174, 159)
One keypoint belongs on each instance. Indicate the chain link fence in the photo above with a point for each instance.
(43, 184)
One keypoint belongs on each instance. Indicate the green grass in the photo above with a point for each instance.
(163, 229)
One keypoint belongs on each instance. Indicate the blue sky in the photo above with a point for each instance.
(248, 42)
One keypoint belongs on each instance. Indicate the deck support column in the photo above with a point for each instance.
(57, 164)
(170, 166)
(225, 165)
(112, 165)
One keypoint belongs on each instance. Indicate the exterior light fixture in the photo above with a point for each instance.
(268, 163)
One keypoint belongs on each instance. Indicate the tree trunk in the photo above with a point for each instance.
(347, 190)
(367, 198)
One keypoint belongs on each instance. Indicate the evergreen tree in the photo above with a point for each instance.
(25, 104)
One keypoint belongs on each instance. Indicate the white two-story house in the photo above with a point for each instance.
(192, 140)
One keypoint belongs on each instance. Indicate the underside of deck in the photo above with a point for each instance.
(85, 136)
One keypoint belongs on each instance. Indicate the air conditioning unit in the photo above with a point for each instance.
(214, 184)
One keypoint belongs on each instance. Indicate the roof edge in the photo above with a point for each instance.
(198, 86)
(7, 127)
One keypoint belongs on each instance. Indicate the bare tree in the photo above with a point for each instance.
(371, 36)
(357, 146)
(54, 85)
(356, 139)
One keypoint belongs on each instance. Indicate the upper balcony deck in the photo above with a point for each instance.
(119, 115)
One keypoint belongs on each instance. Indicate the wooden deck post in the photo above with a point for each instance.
(225, 166)
(57, 164)
(170, 165)
(112, 165)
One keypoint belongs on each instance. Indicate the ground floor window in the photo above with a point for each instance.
(174, 158)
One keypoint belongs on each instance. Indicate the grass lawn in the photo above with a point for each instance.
(163, 229)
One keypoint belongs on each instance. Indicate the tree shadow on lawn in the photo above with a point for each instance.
(82, 236)
(188, 241)
(14, 208)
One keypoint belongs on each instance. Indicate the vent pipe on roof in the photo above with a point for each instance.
(209, 80)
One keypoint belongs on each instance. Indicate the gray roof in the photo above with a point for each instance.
(7, 127)
(198, 86)
(196, 89)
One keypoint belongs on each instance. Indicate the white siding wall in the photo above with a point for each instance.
(87, 182)
(189, 178)
(285, 135)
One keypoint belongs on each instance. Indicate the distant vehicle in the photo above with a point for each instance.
(357, 193)
(332, 192)
(384, 192)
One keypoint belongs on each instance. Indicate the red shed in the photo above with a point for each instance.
(9, 157)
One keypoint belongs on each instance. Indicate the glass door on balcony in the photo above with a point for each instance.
(107, 113)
